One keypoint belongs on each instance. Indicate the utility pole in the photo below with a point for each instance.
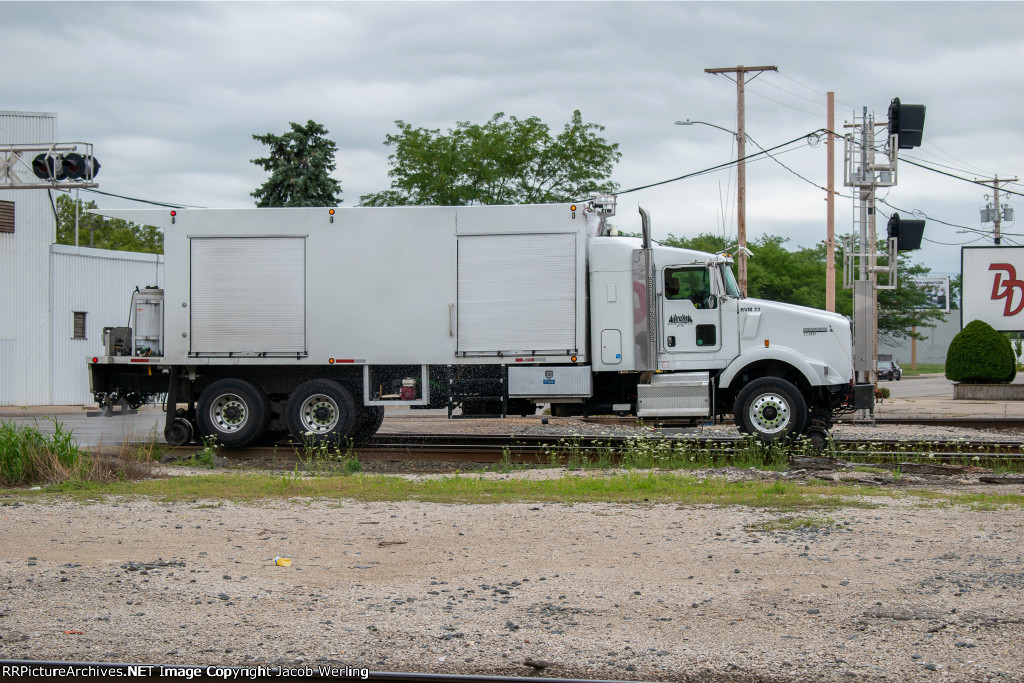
(830, 200)
(996, 213)
(741, 170)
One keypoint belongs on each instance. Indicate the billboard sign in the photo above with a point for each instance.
(937, 291)
(993, 289)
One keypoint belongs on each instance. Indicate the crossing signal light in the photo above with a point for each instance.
(48, 167)
(58, 167)
(908, 232)
(79, 167)
(907, 122)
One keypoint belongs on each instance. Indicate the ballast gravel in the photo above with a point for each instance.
(646, 592)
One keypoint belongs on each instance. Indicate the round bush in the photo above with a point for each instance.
(980, 355)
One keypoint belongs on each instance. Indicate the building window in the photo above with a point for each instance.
(79, 326)
(6, 216)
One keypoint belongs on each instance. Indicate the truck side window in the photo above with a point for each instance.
(693, 284)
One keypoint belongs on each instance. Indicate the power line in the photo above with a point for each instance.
(719, 166)
(817, 115)
(145, 201)
(814, 90)
(951, 175)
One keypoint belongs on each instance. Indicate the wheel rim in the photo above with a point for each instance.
(319, 414)
(770, 413)
(229, 413)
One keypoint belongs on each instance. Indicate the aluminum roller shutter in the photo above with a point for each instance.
(517, 293)
(248, 296)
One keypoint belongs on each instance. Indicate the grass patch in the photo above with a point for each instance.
(631, 487)
(923, 369)
(28, 457)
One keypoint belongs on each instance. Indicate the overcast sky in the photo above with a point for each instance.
(171, 93)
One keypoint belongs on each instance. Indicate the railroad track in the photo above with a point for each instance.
(535, 449)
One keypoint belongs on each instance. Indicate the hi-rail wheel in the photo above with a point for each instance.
(179, 433)
(233, 411)
(320, 411)
(368, 422)
(770, 408)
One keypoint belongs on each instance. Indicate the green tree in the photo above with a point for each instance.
(503, 161)
(109, 233)
(797, 276)
(300, 165)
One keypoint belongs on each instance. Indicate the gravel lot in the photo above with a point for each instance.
(646, 592)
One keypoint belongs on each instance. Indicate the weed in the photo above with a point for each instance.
(792, 523)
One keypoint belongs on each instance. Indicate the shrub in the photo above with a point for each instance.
(979, 354)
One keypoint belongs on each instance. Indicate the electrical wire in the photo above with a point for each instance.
(817, 115)
(719, 166)
(144, 201)
(966, 180)
(814, 90)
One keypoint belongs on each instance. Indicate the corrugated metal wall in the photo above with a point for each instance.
(24, 275)
(99, 283)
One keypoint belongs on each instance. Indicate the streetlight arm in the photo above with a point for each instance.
(688, 122)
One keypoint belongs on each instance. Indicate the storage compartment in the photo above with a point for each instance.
(682, 394)
(396, 385)
(550, 382)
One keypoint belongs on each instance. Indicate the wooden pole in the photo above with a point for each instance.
(830, 200)
(741, 166)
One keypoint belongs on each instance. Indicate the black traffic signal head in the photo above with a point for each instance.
(906, 121)
(79, 167)
(48, 167)
(908, 232)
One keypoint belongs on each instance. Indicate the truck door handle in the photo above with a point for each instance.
(451, 320)
(671, 341)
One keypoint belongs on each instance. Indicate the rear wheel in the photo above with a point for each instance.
(771, 409)
(233, 411)
(320, 411)
(367, 423)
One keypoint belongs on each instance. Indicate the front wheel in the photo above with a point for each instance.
(233, 411)
(771, 409)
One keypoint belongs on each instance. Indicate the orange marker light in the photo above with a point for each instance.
(572, 358)
(330, 361)
(766, 343)
(331, 212)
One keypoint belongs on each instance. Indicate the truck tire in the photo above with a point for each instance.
(320, 411)
(771, 409)
(233, 411)
(368, 422)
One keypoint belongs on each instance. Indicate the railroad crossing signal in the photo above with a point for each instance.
(54, 166)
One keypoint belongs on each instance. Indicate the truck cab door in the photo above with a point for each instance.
(691, 313)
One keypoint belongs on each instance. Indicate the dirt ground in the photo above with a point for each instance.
(645, 592)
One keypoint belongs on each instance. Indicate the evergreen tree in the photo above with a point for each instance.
(300, 163)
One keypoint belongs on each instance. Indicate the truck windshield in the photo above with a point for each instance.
(731, 288)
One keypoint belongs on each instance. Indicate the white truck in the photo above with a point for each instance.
(312, 320)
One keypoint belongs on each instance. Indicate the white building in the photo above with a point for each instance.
(55, 300)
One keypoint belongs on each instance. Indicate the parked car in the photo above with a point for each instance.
(890, 370)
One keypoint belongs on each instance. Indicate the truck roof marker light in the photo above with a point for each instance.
(331, 212)
(766, 343)
(573, 209)
(173, 214)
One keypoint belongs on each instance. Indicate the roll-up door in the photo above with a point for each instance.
(517, 293)
(248, 296)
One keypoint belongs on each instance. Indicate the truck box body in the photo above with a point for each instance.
(423, 285)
